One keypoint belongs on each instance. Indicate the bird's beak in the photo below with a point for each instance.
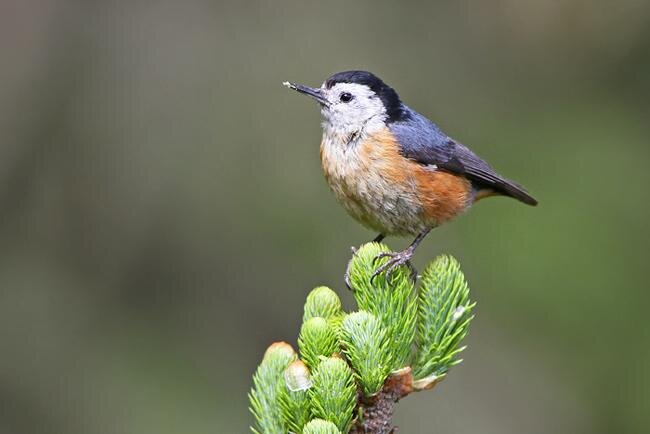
(313, 92)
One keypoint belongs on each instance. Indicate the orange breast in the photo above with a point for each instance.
(387, 192)
(443, 195)
(381, 152)
(440, 195)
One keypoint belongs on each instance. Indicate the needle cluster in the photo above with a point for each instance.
(354, 367)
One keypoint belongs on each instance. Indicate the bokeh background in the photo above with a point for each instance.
(163, 212)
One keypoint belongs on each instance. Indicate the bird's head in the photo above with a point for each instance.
(352, 101)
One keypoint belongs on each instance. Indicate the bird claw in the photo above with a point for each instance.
(382, 255)
(397, 259)
(346, 276)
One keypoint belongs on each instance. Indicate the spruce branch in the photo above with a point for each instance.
(333, 393)
(444, 314)
(365, 346)
(268, 383)
(354, 368)
(322, 302)
(317, 338)
(376, 412)
(293, 399)
(320, 426)
(392, 302)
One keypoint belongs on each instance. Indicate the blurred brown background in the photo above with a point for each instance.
(163, 213)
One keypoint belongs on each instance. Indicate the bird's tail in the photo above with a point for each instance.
(516, 191)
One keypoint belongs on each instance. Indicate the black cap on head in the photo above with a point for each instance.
(387, 94)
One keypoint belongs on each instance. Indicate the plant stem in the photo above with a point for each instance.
(377, 411)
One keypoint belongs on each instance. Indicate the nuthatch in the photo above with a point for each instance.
(393, 169)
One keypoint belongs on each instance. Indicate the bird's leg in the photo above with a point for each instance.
(400, 258)
(378, 239)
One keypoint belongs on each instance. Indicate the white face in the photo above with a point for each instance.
(352, 108)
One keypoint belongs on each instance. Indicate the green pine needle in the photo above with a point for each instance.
(444, 315)
(268, 382)
(333, 392)
(320, 426)
(317, 338)
(394, 328)
(393, 303)
(322, 302)
(295, 405)
(364, 343)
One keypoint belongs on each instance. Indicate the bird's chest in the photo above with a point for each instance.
(372, 182)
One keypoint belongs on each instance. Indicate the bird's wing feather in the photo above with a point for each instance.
(422, 141)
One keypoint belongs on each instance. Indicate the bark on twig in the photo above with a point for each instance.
(377, 411)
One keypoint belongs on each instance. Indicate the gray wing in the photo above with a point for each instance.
(421, 140)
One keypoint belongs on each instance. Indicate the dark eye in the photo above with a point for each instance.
(346, 97)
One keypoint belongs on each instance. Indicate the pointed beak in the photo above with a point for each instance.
(313, 92)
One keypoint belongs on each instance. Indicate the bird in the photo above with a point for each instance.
(391, 168)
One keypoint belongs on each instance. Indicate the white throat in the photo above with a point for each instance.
(348, 122)
(343, 134)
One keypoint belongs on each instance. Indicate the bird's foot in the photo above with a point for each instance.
(346, 276)
(397, 259)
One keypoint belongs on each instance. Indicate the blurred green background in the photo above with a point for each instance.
(163, 212)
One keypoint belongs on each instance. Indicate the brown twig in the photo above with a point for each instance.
(377, 410)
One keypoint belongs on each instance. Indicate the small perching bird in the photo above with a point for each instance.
(393, 169)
